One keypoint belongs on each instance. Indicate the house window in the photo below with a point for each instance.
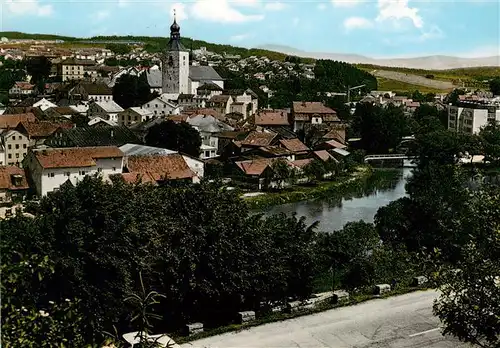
(99, 170)
(17, 155)
(207, 154)
(114, 169)
(13, 137)
(10, 155)
(17, 146)
(24, 146)
(67, 174)
(10, 146)
(51, 175)
(82, 172)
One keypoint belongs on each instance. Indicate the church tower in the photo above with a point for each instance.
(175, 64)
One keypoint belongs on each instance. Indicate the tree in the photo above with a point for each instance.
(381, 129)
(315, 170)
(495, 86)
(490, 137)
(280, 172)
(132, 91)
(39, 69)
(175, 136)
(469, 304)
(120, 49)
(346, 253)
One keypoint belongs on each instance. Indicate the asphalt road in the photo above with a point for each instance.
(396, 322)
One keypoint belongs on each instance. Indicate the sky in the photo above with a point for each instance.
(374, 28)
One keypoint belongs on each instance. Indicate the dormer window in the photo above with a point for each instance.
(17, 179)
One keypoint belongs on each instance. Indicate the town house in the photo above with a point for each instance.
(159, 106)
(72, 69)
(21, 88)
(312, 113)
(15, 146)
(49, 168)
(13, 184)
(92, 136)
(107, 110)
(134, 115)
(208, 127)
(91, 92)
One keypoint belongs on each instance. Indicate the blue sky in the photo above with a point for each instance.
(376, 28)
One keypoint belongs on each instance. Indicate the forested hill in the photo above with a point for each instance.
(155, 44)
(331, 76)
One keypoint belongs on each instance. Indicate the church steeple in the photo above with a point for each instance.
(174, 44)
(175, 29)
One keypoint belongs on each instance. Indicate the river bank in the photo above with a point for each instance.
(357, 184)
(299, 193)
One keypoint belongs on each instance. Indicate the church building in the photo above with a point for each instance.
(177, 75)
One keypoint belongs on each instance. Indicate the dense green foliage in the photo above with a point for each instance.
(39, 70)
(175, 136)
(450, 219)
(330, 76)
(380, 128)
(495, 86)
(132, 91)
(119, 48)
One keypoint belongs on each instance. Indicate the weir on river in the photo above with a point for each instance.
(333, 215)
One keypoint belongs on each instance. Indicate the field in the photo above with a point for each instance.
(472, 78)
(399, 86)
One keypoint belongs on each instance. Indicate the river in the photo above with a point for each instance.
(334, 214)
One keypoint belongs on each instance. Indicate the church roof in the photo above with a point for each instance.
(204, 73)
(154, 78)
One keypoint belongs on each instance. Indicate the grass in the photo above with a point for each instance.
(393, 85)
(277, 317)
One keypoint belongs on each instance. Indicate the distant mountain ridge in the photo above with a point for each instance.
(437, 62)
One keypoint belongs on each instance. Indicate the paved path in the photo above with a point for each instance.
(396, 322)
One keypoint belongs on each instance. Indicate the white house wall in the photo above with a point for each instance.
(48, 183)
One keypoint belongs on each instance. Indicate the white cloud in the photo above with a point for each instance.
(100, 15)
(397, 10)
(28, 7)
(222, 11)
(433, 33)
(321, 6)
(274, 6)
(123, 3)
(238, 38)
(180, 11)
(357, 23)
(346, 3)
(249, 3)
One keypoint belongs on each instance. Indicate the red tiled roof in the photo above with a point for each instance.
(336, 144)
(323, 155)
(74, 157)
(43, 128)
(132, 178)
(311, 108)
(255, 167)
(11, 121)
(159, 167)
(258, 139)
(6, 182)
(272, 118)
(294, 145)
(302, 162)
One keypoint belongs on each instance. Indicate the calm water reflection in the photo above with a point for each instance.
(335, 213)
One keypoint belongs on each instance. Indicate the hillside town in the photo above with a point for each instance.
(157, 189)
(42, 147)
